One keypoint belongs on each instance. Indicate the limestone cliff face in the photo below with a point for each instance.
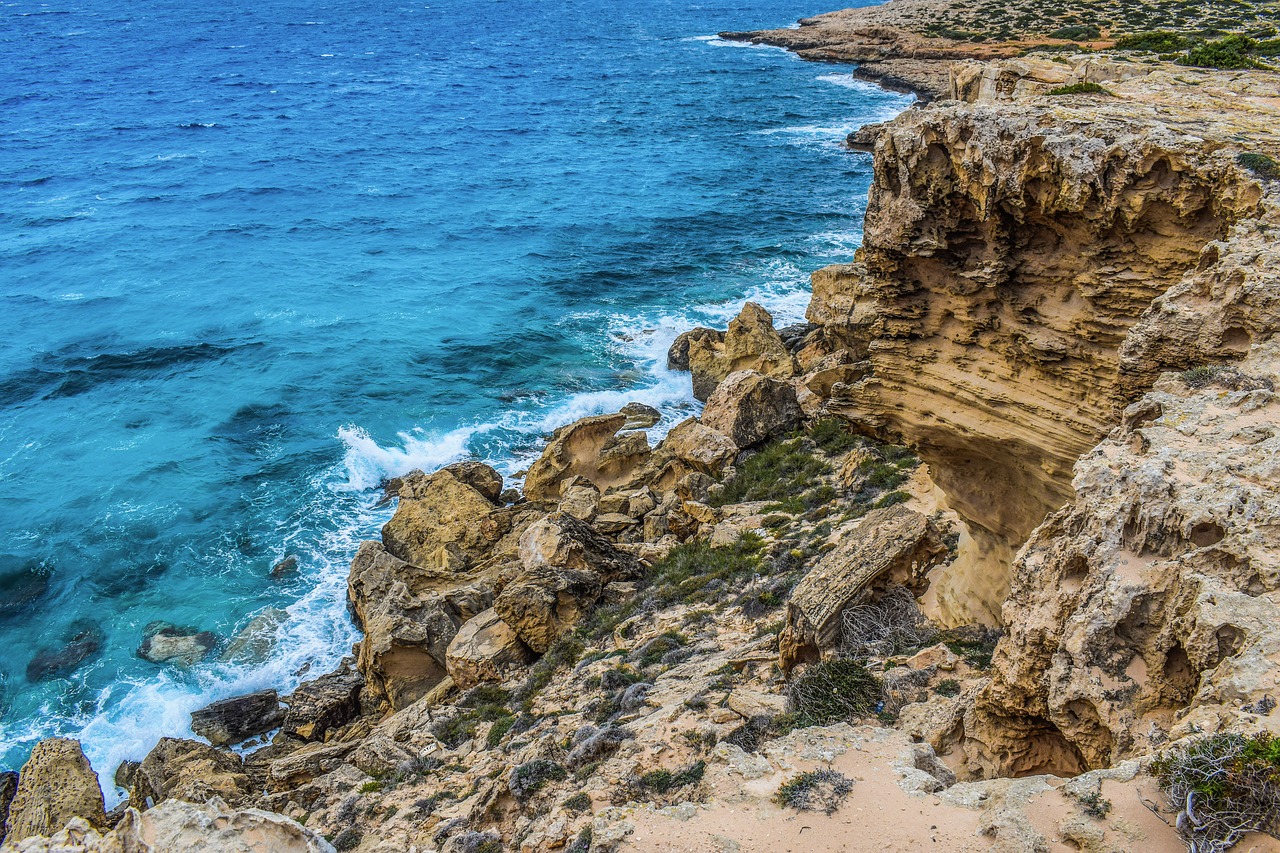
(1010, 253)
(1148, 606)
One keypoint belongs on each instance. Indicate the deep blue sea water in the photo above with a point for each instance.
(255, 257)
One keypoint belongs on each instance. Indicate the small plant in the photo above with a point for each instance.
(1261, 165)
(347, 839)
(1081, 89)
(662, 781)
(581, 844)
(499, 730)
(529, 778)
(833, 436)
(1094, 804)
(833, 691)
(818, 790)
(578, 803)
(781, 470)
(947, 687)
(1225, 786)
(370, 787)
(1160, 41)
(974, 643)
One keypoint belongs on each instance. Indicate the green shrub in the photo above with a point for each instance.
(782, 469)
(891, 499)
(1081, 89)
(532, 776)
(697, 572)
(817, 790)
(371, 787)
(1261, 165)
(578, 803)
(1079, 32)
(1225, 785)
(1232, 53)
(499, 730)
(833, 691)
(947, 687)
(662, 781)
(1160, 41)
(833, 436)
(1094, 804)
(974, 643)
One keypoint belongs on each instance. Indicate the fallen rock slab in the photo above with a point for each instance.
(238, 718)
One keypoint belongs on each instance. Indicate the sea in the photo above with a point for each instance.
(256, 257)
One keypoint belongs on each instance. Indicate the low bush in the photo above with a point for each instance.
(832, 691)
(833, 436)
(1081, 89)
(662, 781)
(818, 790)
(1261, 165)
(975, 643)
(1225, 786)
(1078, 32)
(782, 469)
(578, 803)
(947, 687)
(1159, 41)
(532, 776)
(1233, 52)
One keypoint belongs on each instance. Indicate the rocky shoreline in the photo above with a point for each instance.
(993, 531)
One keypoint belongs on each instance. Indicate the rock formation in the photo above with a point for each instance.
(55, 785)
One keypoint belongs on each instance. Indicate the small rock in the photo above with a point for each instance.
(753, 703)
(640, 416)
(285, 568)
(614, 522)
(940, 656)
(483, 478)
(82, 641)
(239, 718)
(255, 641)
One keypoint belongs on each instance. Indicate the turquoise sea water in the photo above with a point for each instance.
(256, 257)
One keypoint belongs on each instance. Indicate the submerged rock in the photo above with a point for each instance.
(238, 718)
(56, 784)
(164, 642)
(255, 641)
(84, 640)
(285, 568)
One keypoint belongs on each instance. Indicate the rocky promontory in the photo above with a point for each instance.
(969, 561)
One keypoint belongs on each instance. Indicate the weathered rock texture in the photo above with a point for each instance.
(240, 717)
(1152, 601)
(443, 522)
(188, 770)
(1009, 251)
(55, 785)
(893, 545)
(590, 448)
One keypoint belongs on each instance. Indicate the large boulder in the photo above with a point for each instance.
(175, 826)
(328, 702)
(751, 343)
(699, 447)
(443, 522)
(678, 354)
(408, 615)
(565, 564)
(188, 770)
(543, 603)
(591, 448)
(889, 546)
(233, 720)
(485, 649)
(749, 408)
(56, 784)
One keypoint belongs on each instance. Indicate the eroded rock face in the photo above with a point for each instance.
(751, 343)
(324, 703)
(589, 448)
(893, 545)
(55, 785)
(8, 787)
(749, 408)
(188, 770)
(1008, 252)
(565, 565)
(179, 827)
(409, 615)
(1151, 602)
(443, 521)
(484, 649)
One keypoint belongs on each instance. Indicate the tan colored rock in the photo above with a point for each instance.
(893, 545)
(178, 827)
(640, 416)
(55, 785)
(1153, 597)
(409, 616)
(751, 343)
(699, 446)
(565, 565)
(580, 498)
(750, 408)
(936, 656)
(997, 355)
(590, 448)
(484, 649)
(678, 355)
(307, 764)
(443, 523)
(188, 770)
(323, 704)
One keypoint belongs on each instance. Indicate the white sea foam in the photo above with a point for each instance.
(368, 463)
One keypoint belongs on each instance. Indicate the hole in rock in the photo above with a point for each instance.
(1207, 533)
(1044, 749)
(1236, 339)
(1230, 641)
(1180, 675)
